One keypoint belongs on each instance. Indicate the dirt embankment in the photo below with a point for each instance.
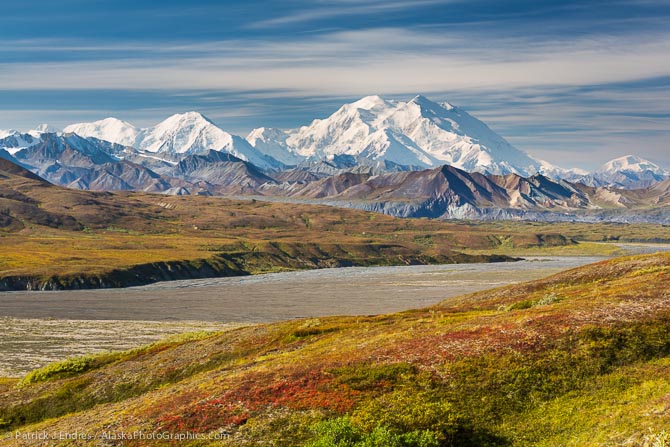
(274, 257)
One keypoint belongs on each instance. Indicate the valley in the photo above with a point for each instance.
(340, 223)
(56, 238)
(53, 326)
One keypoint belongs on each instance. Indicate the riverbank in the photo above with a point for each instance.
(270, 258)
(42, 327)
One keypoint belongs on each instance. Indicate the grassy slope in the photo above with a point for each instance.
(600, 232)
(125, 230)
(134, 229)
(47, 232)
(581, 358)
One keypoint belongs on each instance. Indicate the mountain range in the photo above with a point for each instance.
(415, 158)
(417, 134)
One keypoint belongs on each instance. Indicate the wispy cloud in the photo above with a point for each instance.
(359, 62)
(342, 8)
(578, 126)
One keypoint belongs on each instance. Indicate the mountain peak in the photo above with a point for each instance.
(631, 163)
(419, 99)
(188, 117)
(423, 101)
(109, 121)
(264, 133)
(370, 102)
(182, 133)
(4, 133)
(46, 128)
(108, 129)
(195, 115)
(420, 132)
(427, 105)
(188, 132)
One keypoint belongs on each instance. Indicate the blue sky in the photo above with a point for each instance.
(573, 82)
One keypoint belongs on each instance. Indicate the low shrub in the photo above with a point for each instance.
(342, 432)
(65, 368)
(368, 377)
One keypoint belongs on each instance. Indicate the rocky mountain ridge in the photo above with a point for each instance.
(412, 159)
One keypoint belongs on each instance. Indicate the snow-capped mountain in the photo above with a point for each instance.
(69, 149)
(181, 134)
(419, 133)
(13, 141)
(631, 164)
(370, 136)
(44, 128)
(70, 160)
(628, 172)
(109, 129)
(272, 142)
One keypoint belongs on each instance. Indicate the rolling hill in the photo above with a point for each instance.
(55, 238)
(577, 359)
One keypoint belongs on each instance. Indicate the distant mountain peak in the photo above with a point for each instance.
(631, 163)
(370, 102)
(628, 172)
(46, 128)
(414, 134)
(192, 117)
(4, 133)
(419, 133)
(427, 107)
(109, 129)
(420, 99)
(113, 120)
(179, 134)
(265, 132)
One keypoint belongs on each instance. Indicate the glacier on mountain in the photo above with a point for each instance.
(180, 134)
(419, 133)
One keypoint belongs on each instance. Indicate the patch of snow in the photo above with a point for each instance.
(13, 141)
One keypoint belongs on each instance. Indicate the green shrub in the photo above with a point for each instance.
(409, 409)
(485, 390)
(77, 365)
(59, 370)
(521, 305)
(339, 432)
(342, 432)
